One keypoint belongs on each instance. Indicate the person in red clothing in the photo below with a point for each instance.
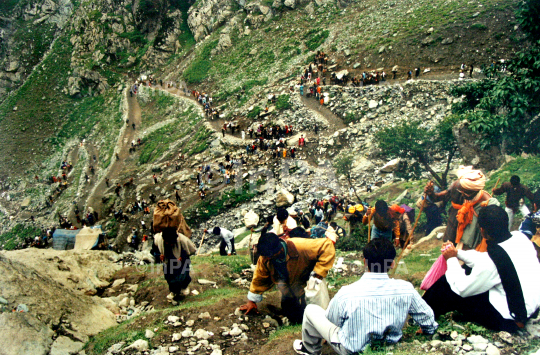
(301, 141)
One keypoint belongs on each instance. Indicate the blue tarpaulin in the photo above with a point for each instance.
(64, 239)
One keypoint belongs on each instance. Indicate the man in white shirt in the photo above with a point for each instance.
(374, 307)
(227, 241)
(283, 223)
(498, 289)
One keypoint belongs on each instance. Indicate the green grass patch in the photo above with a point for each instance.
(315, 37)
(198, 70)
(158, 109)
(479, 26)
(353, 116)
(17, 234)
(241, 236)
(212, 206)
(134, 37)
(104, 340)
(156, 143)
(285, 331)
(354, 241)
(418, 262)
(255, 112)
(528, 169)
(283, 102)
(199, 141)
(235, 263)
(7, 5)
(159, 141)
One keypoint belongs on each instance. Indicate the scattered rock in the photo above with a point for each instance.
(201, 334)
(284, 198)
(148, 334)
(117, 283)
(204, 315)
(65, 346)
(391, 166)
(206, 282)
(173, 319)
(477, 339)
(235, 331)
(188, 333)
(140, 345)
(492, 350)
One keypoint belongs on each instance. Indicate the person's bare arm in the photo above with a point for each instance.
(429, 190)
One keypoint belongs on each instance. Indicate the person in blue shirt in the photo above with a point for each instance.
(374, 307)
(532, 220)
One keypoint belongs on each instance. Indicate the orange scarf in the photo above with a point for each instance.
(465, 217)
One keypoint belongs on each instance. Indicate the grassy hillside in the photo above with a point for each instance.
(39, 119)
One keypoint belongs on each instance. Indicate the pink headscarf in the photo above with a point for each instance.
(471, 179)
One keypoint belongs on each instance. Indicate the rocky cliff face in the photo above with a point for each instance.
(104, 34)
(206, 16)
(25, 36)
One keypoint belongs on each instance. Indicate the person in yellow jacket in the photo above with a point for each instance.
(288, 265)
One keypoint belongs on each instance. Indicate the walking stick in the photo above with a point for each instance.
(200, 245)
(250, 238)
(496, 184)
(369, 228)
(410, 236)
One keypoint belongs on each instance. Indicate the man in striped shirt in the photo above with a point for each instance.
(374, 307)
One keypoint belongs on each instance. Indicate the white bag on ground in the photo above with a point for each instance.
(317, 292)
(251, 219)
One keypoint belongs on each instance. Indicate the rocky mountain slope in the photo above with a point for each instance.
(66, 69)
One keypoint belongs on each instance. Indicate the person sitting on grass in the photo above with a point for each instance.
(374, 307)
(498, 289)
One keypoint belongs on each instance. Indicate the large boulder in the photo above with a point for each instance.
(391, 166)
(54, 285)
(22, 333)
(284, 198)
(470, 151)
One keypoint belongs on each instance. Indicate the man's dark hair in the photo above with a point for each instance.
(169, 234)
(298, 232)
(379, 255)
(216, 231)
(269, 244)
(333, 225)
(282, 215)
(536, 198)
(381, 207)
(494, 221)
(515, 180)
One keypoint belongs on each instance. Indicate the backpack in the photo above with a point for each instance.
(319, 230)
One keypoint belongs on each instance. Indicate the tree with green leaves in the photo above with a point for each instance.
(504, 109)
(413, 140)
(344, 167)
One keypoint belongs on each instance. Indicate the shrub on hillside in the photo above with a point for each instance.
(315, 38)
(354, 241)
(283, 103)
(254, 113)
